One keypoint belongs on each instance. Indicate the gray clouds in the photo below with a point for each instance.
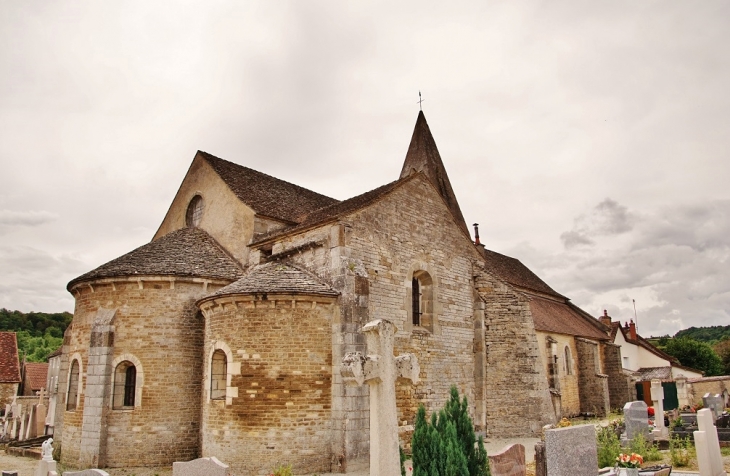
(540, 112)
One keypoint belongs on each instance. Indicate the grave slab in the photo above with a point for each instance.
(200, 467)
(571, 451)
(509, 461)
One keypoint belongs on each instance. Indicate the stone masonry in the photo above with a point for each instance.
(593, 384)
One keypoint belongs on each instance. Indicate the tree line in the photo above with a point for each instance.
(702, 348)
(38, 333)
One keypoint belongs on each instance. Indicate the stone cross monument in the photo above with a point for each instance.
(379, 369)
(657, 396)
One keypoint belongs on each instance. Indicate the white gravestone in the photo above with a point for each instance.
(657, 396)
(379, 369)
(200, 467)
(709, 458)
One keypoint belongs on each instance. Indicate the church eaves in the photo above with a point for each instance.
(423, 156)
(187, 252)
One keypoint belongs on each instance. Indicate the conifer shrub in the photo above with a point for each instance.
(447, 445)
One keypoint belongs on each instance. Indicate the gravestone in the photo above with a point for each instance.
(379, 369)
(23, 426)
(636, 419)
(657, 396)
(46, 464)
(540, 463)
(715, 403)
(509, 461)
(707, 445)
(87, 472)
(199, 467)
(30, 429)
(571, 451)
(40, 419)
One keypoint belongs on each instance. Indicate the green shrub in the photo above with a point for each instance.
(681, 451)
(447, 446)
(639, 445)
(653, 454)
(609, 446)
(282, 470)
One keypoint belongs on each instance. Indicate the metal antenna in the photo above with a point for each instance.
(636, 318)
(420, 101)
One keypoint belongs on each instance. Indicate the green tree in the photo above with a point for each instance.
(695, 354)
(447, 445)
(722, 349)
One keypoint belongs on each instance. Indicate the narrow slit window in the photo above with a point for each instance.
(416, 304)
(218, 374)
(73, 386)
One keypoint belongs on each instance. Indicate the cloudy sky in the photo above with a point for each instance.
(589, 139)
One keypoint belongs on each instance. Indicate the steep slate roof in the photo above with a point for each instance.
(516, 273)
(423, 156)
(187, 252)
(277, 278)
(551, 316)
(332, 212)
(265, 194)
(9, 362)
(36, 374)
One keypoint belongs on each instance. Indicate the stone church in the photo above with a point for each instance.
(223, 335)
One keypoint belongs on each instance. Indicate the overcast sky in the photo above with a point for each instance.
(589, 139)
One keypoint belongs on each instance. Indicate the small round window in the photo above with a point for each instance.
(195, 211)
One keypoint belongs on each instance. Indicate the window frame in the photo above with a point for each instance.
(75, 364)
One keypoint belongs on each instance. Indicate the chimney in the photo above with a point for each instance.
(478, 243)
(632, 329)
(605, 318)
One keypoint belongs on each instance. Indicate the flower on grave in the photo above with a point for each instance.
(629, 461)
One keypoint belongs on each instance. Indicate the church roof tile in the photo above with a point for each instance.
(277, 278)
(36, 374)
(265, 194)
(561, 318)
(9, 362)
(514, 272)
(188, 252)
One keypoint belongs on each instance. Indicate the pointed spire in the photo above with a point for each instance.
(423, 156)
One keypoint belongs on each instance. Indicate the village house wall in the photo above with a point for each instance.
(568, 381)
(592, 382)
(224, 216)
(7, 392)
(278, 400)
(619, 384)
(157, 325)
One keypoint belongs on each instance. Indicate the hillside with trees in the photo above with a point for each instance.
(39, 333)
(711, 334)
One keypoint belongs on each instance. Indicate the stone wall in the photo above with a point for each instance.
(7, 392)
(157, 327)
(618, 384)
(518, 401)
(592, 384)
(279, 393)
(697, 388)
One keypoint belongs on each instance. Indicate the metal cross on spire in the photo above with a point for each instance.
(420, 101)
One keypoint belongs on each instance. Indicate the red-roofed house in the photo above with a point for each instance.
(9, 367)
(34, 376)
(647, 363)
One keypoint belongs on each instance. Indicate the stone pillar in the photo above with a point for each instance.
(96, 397)
(682, 396)
(657, 396)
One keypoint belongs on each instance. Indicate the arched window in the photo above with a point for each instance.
(568, 361)
(125, 385)
(218, 374)
(194, 212)
(422, 300)
(73, 386)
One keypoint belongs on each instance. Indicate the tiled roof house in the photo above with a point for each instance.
(9, 367)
